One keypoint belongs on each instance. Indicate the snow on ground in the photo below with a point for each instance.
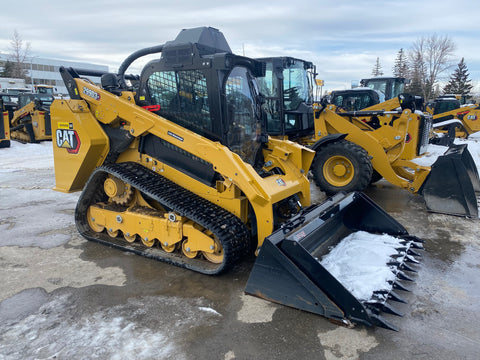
(27, 156)
(26, 197)
(135, 329)
(434, 151)
(359, 263)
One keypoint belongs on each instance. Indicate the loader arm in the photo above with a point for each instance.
(100, 106)
(385, 144)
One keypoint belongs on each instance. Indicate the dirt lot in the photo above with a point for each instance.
(65, 298)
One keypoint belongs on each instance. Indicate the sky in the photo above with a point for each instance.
(342, 38)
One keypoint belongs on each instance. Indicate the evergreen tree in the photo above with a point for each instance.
(459, 82)
(401, 66)
(7, 70)
(417, 76)
(377, 69)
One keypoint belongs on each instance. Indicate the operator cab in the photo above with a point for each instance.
(288, 90)
(184, 84)
(355, 99)
(390, 86)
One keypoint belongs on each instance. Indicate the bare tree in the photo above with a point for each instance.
(19, 53)
(433, 54)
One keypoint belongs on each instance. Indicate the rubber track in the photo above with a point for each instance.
(229, 229)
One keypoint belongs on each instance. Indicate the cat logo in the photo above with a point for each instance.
(67, 138)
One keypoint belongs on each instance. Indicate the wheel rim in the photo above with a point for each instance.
(147, 242)
(130, 238)
(338, 170)
(91, 222)
(217, 256)
(168, 248)
(112, 234)
(187, 252)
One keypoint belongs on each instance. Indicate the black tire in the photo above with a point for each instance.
(342, 166)
(375, 177)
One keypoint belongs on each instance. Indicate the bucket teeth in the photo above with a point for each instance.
(414, 253)
(402, 266)
(381, 322)
(406, 267)
(416, 245)
(411, 259)
(402, 276)
(414, 239)
(397, 286)
(395, 297)
(383, 307)
(390, 295)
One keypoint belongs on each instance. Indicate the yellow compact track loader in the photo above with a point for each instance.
(356, 148)
(176, 166)
(31, 122)
(453, 118)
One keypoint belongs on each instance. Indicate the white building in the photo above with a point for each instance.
(46, 71)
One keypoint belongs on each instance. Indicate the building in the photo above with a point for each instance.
(46, 71)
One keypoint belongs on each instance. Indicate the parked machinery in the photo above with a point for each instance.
(453, 118)
(31, 122)
(176, 166)
(355, 148)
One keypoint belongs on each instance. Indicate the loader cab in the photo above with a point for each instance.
(390, 86)
(9, 105)
(288, 90)
(199, 84)
(43, 101)
(355, 99)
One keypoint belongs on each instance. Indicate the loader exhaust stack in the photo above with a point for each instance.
(289, 269)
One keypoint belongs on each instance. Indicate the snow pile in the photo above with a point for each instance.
(359, 263)
(434, 151)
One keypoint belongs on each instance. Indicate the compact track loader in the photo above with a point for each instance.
(453, 119)
(356, 148)
(31, 122)
(175, 166)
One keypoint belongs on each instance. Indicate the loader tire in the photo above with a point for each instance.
(342, 166)
(375, 177)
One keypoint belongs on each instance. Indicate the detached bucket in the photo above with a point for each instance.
(453, 184)
(294, 266)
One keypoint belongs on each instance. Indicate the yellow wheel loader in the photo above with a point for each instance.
(355, 148)
(174, 165)
(31, 122)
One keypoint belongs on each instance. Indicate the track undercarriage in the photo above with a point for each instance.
(129, 207)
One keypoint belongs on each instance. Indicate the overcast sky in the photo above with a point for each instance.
(342, 38)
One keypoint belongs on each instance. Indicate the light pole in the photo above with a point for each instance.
(31, 72)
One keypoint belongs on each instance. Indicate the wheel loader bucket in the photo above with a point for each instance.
(299, 265)
(453, 185)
